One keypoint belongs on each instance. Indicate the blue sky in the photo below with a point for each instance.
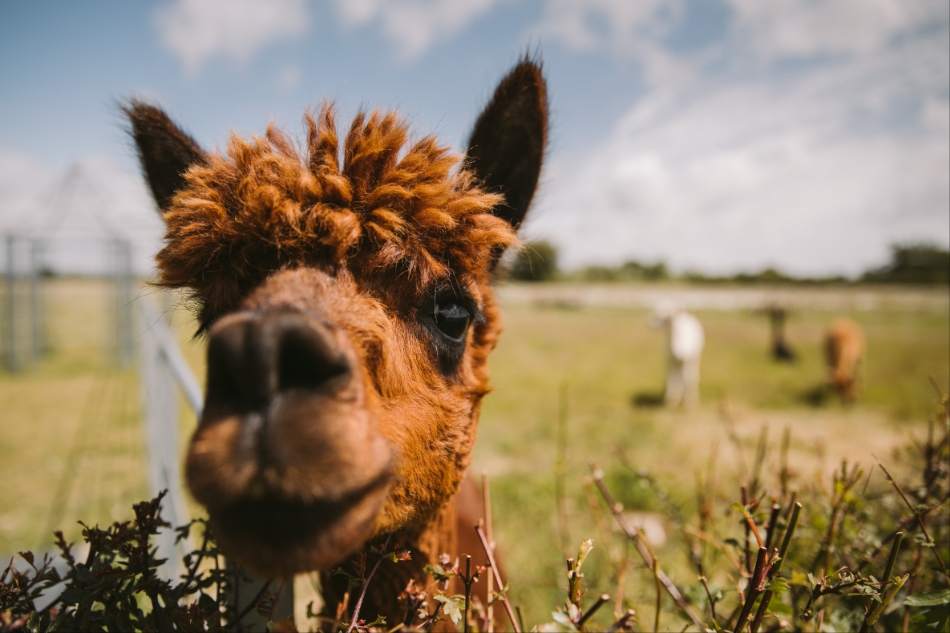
(723, 135)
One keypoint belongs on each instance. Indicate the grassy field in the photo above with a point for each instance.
(608, 356)
(71, 442)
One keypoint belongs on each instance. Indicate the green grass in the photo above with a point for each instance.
(608, 356)
(71, 445)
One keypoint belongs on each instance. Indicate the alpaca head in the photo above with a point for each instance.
(345, 292)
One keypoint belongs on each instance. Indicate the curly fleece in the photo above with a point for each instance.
(390, 208)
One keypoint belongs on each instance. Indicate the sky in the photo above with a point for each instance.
(714, 135)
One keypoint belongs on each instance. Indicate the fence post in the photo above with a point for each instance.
(163, 365)
(123, 302)
(37, 301)
(160, 417)
(12, 364)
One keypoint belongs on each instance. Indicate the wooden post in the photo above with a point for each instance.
(11, 359)
(123, 302)
(37, 301)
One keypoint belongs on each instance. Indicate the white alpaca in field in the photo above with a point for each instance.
(685, 341)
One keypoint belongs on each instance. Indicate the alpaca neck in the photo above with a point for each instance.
(425, 543)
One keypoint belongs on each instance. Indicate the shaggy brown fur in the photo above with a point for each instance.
(844, 348)
(350, 316)
(389, 211)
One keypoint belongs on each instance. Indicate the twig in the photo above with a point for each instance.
(601, 601)
(776, 568)
(250, 605)
(752, 593)
(772, 526)
(341, 610)
(276, 601)
(560, 470)
(520, 616)
(721, 547)
(760, 449)
(633, 534)
(745, 541)
(468, 591)
(712, 603)
(920, 521)
(783, 474)
(944, 400)
(194, 568)
(750, 525)
(622, 623)
(659, 594)
(734, 438)
(501, 585)
(885, 580)
(359, 601)
(489, 607)
(620, 564)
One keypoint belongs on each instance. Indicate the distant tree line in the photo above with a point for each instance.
(913, 264)
(910, 264)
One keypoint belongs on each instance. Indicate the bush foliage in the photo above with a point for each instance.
(832, 555)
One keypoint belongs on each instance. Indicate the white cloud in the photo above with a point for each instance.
(198, 30)
(624, 28)
(414, 26)
(614, 24)
(815, 172)
(79, 211)
(803, 28)
(21, 179)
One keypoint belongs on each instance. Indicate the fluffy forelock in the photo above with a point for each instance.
(390, 208)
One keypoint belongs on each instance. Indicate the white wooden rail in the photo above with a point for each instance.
(163, 368)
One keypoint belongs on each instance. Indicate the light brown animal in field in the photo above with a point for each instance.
(345, 289)
(844, 347)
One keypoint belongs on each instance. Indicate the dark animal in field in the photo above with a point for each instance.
(844, 349)
(345, 290)
(781, 351)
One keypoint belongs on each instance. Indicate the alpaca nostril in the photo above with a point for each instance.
(238, 375)
(252, 358)
(306, 355)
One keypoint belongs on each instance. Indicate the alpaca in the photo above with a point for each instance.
(684, 348)
(781, 351)
(346, 296)
(844, 349)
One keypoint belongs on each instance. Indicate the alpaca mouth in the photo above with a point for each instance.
(277, 536)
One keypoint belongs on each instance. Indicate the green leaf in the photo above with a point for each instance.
(438, 572)
(777, 585)
(586, 546)
(452, 606)
(741, 509)
(931, 599)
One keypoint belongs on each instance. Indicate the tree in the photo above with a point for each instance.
(914, 264)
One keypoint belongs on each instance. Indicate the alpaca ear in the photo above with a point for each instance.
(165, 151)
(506, 147)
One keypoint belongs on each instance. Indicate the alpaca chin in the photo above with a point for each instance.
(276, 538)
(296, 488)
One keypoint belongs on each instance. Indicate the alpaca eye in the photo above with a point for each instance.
(452, 319)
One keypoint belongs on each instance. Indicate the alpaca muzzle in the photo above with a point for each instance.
(287, 458)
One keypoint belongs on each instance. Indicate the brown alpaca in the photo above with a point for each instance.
(346, 295)
(844, 347)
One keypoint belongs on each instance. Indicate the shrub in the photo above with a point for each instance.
(913, 263)
(833, 555)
